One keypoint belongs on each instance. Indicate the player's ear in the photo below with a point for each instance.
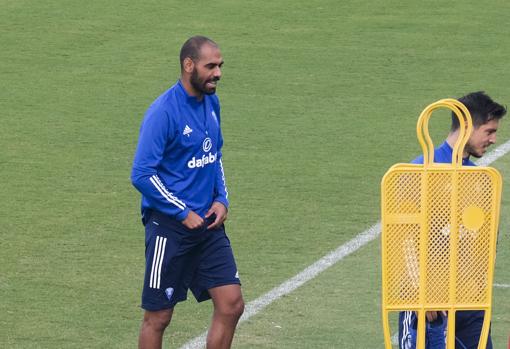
(188, 65)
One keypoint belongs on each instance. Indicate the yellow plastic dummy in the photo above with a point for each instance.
(439, 230)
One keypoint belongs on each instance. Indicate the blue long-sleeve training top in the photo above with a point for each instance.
(177, 165)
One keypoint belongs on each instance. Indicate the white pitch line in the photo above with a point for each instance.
(502, 285)
(394, 339)
(325, 262)
(494, 154)
(290, 285)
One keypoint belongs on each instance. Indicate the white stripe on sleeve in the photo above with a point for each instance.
(223, 179)
(166, 194)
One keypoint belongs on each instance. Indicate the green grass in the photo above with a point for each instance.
(319, 98)
(501, 306)
(341, 307)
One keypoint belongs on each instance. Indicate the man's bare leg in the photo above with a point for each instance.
(153, 326)
(228, 308)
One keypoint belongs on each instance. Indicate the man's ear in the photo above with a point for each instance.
(188, 65)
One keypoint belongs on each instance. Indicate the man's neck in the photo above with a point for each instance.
(452, 138)
(190, 89)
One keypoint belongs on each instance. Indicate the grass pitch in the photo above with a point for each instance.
(319, 98)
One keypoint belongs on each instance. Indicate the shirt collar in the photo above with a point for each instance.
(449, 150)
(190, 99)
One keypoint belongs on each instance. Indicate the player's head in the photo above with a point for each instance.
(485, 114)
(481, 107)
(201, 63)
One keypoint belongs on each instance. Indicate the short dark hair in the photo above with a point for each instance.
(192, 46)
(482, 109)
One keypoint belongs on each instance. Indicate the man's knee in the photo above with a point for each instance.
(228, 301)
(233, 309)
(238, 308)
(157, 320)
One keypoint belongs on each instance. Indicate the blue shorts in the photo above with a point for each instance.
(178, 259)
(468, 327)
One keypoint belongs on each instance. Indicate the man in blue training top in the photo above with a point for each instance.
(179, 171)
(486, 115)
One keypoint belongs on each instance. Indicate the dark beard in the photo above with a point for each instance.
(199, 84)
(471, 152)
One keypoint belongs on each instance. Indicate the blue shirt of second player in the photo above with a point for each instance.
(443, 154)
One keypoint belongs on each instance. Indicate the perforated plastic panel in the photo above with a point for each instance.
(405, 217)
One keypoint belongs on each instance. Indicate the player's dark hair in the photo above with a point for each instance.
(482, 109)
(192, 46)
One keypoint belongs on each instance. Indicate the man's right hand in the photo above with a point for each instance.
(193, 221)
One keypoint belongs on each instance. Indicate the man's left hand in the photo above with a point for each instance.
(220, 211)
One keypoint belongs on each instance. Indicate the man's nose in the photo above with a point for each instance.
(217, 72)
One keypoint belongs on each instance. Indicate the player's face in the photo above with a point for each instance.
(207, 70)
(482, 137)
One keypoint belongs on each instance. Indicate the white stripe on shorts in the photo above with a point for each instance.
(404, 343)
(157, 261)
(161, 262)
(154, 261)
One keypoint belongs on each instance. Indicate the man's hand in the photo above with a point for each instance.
(433, 315)
(220, 211)
(193, 221)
